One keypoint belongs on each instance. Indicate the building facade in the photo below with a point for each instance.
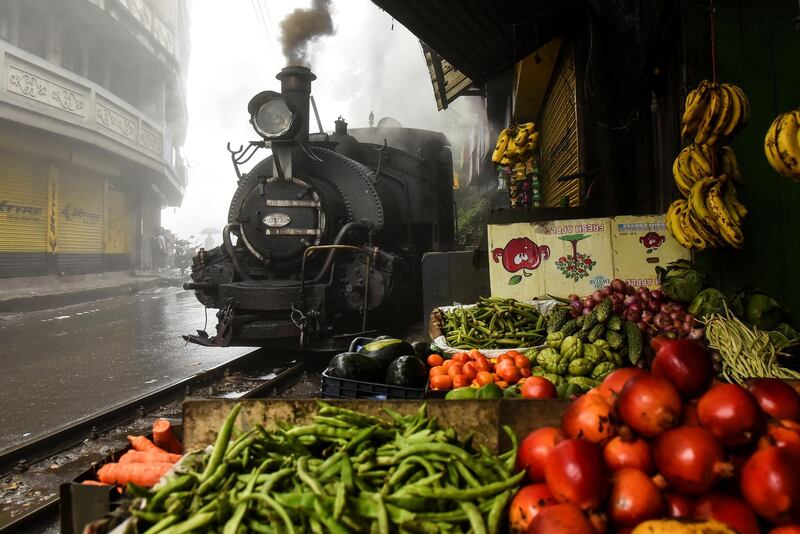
(92, 120)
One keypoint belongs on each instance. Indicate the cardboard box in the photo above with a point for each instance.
(533, 260)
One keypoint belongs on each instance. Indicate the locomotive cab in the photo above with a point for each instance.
(324, 237)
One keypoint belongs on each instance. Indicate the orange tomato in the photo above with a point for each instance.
(502, 384)
(439, 370)
(521, 361)
(447, 364)
(495, 378)
(469, 370)
(460, 381)
(505, 364)
(525, 373)
(484, 377)
(461, 357)
(455, 369)
(474, 354)
(434, 360)
(509, 373)
(482, 364)
(442, 382)
(514, 353)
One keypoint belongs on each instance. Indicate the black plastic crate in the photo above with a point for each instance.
(343, 388)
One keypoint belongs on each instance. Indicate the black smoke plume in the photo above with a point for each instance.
(302, 27)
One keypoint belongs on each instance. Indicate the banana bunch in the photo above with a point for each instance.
(516, 144)
(710, 217)
(697, 162)
(782, 144)
(714, 112)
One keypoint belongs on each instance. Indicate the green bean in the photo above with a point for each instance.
(169, 488)
(443, 448)
(241, 444)
(213, 480)
(303, 474)
(383, 516)
(272, 503)
(221, 445)
(194, 523)
(496, 513)
(470, 493)
(340, 501)
(275, 477)
(474, 516)
(162, 524)
(150, 517)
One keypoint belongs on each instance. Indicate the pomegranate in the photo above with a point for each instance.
(727, 509)
(731, 414)
(536, 387)
(558, 518)
(786, 529)
(619, 453)
(533, 451)
(776, 398)
(783, 433)
(633, 498)
(685, 363)
(649, 405)
(690, 459)
(615, 381)
(689, 417)
(575, 473)
(770, 484)
(677, 505)
(528, 501)
(589, 417)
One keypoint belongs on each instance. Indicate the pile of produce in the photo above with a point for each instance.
(710, 215)
(494, 323)
(669, 443)
(383, 360)
(345, 472)
(146, 462)
(655, 312)
(782, 144)
(476, 370)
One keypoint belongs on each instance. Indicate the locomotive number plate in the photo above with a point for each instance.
(277, 220)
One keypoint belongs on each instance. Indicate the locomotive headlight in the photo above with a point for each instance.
(272, 116)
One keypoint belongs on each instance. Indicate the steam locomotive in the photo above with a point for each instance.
(324, 237)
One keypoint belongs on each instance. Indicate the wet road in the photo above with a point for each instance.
(58, 366)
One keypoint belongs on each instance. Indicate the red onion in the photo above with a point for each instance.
(666, 308)
(657, 294)
(605, 292)
(661, 321)
(576, 304)
(588, 302)
(697, 333)
(632, 299)
(642, 325)
(598, 296)
(653, 306)
(586, 311)
(618, 285)
(643, 291)
(647, 316)
(573, 296)
(636, 308)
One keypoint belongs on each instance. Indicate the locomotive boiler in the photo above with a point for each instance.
(325, 236)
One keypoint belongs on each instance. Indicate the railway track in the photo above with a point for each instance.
(30, 474)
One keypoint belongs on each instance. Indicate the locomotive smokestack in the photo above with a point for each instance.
(296, 86)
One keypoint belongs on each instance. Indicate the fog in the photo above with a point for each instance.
(367, 62)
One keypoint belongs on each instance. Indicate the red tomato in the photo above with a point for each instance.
(514, 353)
(469, 370)
(442, 382)
(504, 365)
(522, 362)
(461, 357)
(434, 360)
(504, 357)
(525, 372)
(460, 381)
(454, 370)
(482, 364)
(484, 377)
(537, 387)
(474, 354)
(509, 373)
(437, 371)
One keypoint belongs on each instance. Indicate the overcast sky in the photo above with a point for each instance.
(370, 63)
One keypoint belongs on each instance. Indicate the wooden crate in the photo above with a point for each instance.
(202, 418)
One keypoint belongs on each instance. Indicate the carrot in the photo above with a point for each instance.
(164, 437)
(148, 457)
(93, 483)
(141, 443)
(146, 475)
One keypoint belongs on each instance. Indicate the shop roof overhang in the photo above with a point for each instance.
(482, 38)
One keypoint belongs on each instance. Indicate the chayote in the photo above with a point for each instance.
(580, 367)
(593, 353)
(554, 339)
(572, 347)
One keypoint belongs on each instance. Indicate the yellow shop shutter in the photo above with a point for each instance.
(23, 217)
(81, 232)
(559, 135)
(117, 223)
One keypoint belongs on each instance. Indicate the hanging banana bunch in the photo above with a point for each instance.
(710, 215)
(782, 144)
(516, 144)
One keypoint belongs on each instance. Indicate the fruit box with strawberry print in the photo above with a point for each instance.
(529, 260)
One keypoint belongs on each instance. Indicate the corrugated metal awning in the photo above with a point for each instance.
(482, 38)
(448, 82)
